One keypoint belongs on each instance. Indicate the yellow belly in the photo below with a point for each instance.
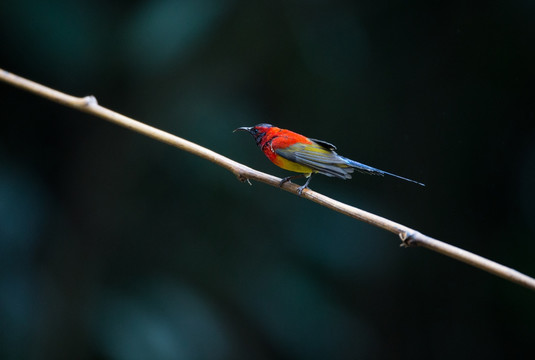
(292, 166)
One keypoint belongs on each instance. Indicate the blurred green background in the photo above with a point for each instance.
(115, 246)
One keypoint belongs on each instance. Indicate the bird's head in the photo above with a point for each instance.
(258, 131)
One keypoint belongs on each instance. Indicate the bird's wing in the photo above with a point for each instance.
(317, 157)
(324, 144)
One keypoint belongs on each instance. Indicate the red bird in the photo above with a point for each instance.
(295, 152)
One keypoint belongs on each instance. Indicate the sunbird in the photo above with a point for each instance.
(307, 156)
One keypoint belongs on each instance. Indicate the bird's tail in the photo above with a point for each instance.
(373, 171)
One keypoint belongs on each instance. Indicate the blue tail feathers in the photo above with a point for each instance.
(373, 171)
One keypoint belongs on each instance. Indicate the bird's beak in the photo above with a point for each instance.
(244, 128)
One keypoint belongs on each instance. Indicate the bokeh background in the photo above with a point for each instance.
(115, 246)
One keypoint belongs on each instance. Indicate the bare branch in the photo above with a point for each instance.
(408, 236)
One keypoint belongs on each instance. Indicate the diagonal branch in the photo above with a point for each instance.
(408, 236)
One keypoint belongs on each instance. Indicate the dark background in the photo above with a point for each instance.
(116, 246)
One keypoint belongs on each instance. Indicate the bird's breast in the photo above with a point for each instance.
(281, 143)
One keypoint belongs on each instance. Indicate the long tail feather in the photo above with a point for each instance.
(373, 171)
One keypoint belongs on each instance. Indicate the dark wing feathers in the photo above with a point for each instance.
(324, 144)
(323, 160)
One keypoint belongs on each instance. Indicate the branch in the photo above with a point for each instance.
(408, 236)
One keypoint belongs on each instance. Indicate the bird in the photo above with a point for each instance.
(306, 156)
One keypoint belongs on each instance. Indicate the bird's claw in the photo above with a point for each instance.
(285, 180)
(300, 189)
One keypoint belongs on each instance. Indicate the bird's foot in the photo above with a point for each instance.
(285, 180)
(288, 178)
(301, 188)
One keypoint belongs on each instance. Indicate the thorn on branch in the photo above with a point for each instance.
(90, 101)
(242, 178)
(408, 239)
